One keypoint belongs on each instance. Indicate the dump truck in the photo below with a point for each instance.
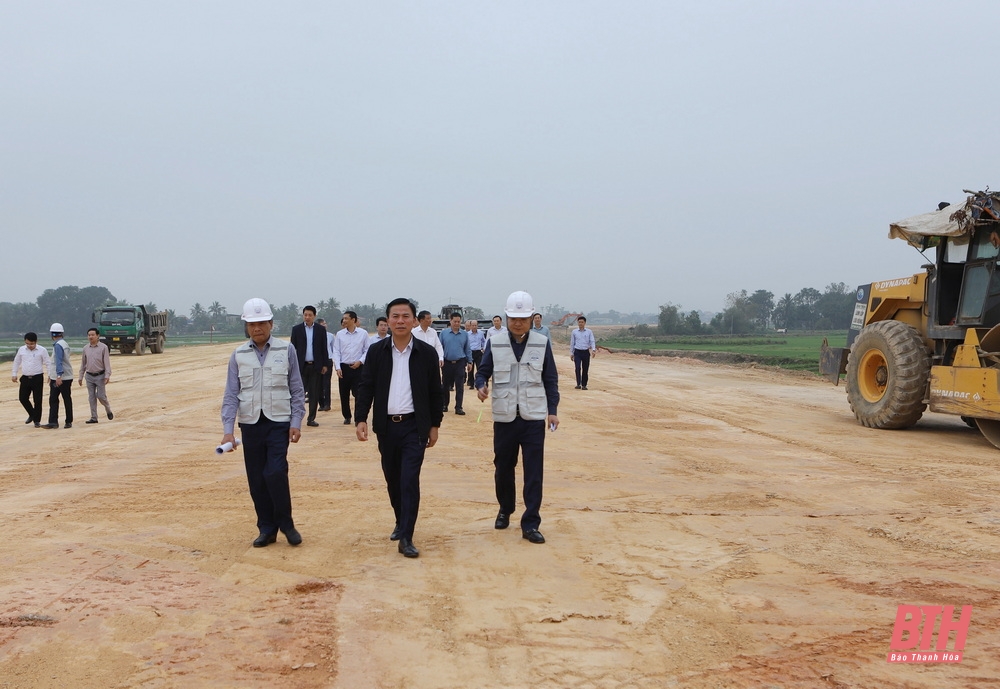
(930, 340)
(131, 328)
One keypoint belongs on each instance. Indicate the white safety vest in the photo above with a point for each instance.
(264, 388)
(517, 385)
(59, 347)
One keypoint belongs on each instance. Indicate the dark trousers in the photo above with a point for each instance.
(348, 386)
(31, 388)
(310, 381)
(477, 356)
(529, 436)
(66, 390)
(402, 451)
(453, 374)
(581, 362)
(325, 385)
(265, 454)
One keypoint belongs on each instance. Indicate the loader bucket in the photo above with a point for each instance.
(832, 361)
(990, 430)
(990, 342)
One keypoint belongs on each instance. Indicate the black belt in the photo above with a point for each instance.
(24, 375)
(309, 363)
(396, 418)
(96, 373)
(455, 361)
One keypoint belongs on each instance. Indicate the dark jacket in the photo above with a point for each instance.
(321, 355)
(425, 384)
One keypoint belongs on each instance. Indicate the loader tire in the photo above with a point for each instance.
(887, 372)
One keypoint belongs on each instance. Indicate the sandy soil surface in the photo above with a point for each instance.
(707, 526)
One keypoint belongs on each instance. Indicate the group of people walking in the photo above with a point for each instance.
(396, 379)
(34, 361)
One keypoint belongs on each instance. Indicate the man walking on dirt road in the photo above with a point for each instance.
(401, 385)
(525, 398)
(582, 346)
(264, 394)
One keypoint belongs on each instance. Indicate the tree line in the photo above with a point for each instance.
(809, 309)
(744, 312)
(73, 306)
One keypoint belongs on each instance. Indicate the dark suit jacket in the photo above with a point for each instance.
(425, 384)
(321, 355)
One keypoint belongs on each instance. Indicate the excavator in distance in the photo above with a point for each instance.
(931, 340)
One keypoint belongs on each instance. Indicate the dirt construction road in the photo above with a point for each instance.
(707, 526)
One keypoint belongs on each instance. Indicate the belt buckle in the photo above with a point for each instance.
(396, 418)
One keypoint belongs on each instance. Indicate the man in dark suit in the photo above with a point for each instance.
(309, 341)
(402, 379)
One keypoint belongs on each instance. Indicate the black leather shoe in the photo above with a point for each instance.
(311, 423)
(394, 536)
(578, 387)
(584, 387)
(67, 425)
(445, 410)
(38, 425)
(264, 539)
(293, 536)
(533, 535)
(502, 522)
(347, 422)
(407, 548)
(28, 420)
(460, 412)
(91, 420)
(51, 425)
(110, 416)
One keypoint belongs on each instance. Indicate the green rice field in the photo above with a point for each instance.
(794, 350)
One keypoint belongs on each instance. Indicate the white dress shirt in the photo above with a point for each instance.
(430, 336)
(494, 331)
(31, 361)
(349, 347)
(400, 393)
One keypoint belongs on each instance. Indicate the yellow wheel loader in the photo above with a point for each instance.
(931, 340)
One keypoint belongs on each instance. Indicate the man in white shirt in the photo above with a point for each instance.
(401, 386)
(477, 341)
(349, 349)
(381, 331)
(425, 333)
(497, 327)
(32, 360)
(582, 346)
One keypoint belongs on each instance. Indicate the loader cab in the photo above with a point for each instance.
(969, 280)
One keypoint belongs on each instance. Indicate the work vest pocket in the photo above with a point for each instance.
(501, 375)
(504, 403)
(537, 404)
(531, 372)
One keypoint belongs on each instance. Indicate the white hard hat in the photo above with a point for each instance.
(520, 305)
(256, 310)
(56, 328)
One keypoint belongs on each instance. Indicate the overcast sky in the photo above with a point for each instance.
(597, 154)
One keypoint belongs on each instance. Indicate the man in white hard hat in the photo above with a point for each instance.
(60, 378)
(525, 398)
(264, 394)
